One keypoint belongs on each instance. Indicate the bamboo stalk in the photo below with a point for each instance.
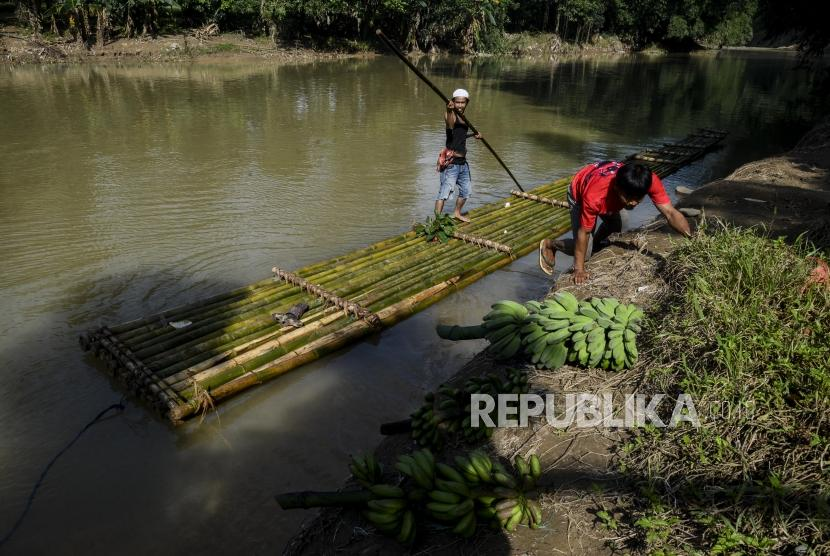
(481, 242)
(539, 199)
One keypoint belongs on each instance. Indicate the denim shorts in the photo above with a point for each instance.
(455, 174)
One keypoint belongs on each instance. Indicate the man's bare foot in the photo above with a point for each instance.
(547, 257)
(461, 217)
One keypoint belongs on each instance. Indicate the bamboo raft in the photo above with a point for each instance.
(230, 342)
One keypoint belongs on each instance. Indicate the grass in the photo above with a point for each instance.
(743, 336)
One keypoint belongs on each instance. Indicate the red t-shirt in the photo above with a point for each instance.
(591, 187)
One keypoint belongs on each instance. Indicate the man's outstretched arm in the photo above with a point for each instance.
(675, 219)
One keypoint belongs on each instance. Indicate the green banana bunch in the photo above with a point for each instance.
(511, 503)
(447, 412)
(591, 333)
(478, 489)
(503, 323)
(366, 470)
(618, 349)
(390, 512)
(439, 416)
(420, 467)
(598, 332)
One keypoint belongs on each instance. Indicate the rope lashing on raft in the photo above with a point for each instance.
(539, 199)
(482, 242)
(327, 296)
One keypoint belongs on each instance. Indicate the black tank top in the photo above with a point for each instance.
(457, 141)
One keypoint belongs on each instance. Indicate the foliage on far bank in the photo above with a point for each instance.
(461, 25)
(747, 336)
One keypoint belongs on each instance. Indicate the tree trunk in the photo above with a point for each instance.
(30, 13)
(556, 31)
(545, 16)
(411, 43)
(82, 20)
(101, 28)
(129, 26)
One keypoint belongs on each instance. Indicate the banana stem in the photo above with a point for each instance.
(310, 499)
(455, 332)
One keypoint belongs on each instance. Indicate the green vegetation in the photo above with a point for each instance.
(459, 25)
(746, 335)
(440, 228)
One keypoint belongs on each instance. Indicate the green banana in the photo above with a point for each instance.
(513, 522)
(498, 333)
(445, 497)
(382, 519)
(511, 307)
(535, 466)
(521, 465)
(533, 336)
(387, 505)
(558, 356)
(535, 513)
(407, 531)
(567, 300)
(586, 310)
(505, 480)
(449, 472)
(558, 336)
(455, 487)
(466, 526)
(555, 325)
(552, 304)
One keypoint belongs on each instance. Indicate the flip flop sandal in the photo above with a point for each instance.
(544, 263)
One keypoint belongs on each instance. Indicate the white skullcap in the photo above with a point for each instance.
(461, 93)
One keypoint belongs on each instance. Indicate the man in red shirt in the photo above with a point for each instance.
(601, 190)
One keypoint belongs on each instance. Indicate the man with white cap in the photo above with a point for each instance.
(452, 163)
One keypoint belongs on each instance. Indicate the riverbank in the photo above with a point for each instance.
(19, 46)
(602, 487)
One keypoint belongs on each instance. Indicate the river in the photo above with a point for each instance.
(128, 189)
